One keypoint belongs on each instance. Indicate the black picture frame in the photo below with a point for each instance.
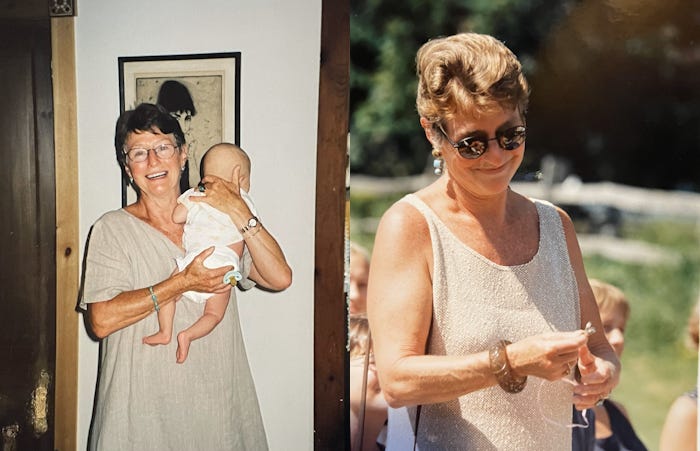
(206, 88)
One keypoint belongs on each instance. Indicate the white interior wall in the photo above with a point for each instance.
(279, 41)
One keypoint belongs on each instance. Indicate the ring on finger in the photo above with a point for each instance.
(569, 367)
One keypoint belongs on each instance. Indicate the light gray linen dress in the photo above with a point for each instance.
(477, 302)
(144, 399)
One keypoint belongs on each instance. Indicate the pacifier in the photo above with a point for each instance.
(232, 277)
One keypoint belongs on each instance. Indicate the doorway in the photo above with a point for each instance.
(27, 236)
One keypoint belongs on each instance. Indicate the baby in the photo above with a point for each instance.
(206, 226)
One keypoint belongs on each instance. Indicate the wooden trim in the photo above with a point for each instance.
(331, 403)
(67, 232)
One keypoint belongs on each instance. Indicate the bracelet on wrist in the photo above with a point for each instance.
(498, 360)
(154, 298)
(252, 232)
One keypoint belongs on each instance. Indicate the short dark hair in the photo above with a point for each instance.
(146, 117)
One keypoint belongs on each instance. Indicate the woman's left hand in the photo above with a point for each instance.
(598, 378)
(225, 196)
(270, 268)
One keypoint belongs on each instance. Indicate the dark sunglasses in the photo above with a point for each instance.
(477, 144)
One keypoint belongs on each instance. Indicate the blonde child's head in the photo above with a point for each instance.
(614, 312)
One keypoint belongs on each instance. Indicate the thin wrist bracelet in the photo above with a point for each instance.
(498, 360)
(154, 298)
(252, 232)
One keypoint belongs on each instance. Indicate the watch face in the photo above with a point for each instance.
(252, 222)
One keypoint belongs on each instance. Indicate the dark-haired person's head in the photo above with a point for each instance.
(146, 117)
(175, 97)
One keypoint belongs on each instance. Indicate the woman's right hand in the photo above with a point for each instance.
(200, 278)
(549, 356)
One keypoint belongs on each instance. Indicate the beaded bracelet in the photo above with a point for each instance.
(154, 299)
(500, 367)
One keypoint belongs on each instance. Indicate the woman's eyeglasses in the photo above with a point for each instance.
(139, 154)
(477, 144)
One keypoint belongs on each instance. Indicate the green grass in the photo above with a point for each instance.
(649, 384)
(657, 367)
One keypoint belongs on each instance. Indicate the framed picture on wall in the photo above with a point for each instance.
(202, 91)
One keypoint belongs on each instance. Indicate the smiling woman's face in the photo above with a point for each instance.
(155, 177)
(490, 173)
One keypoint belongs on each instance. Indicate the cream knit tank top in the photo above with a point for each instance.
(477, 302)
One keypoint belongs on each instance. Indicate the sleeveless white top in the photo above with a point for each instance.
(477, 302)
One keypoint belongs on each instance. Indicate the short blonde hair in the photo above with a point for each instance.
(358, 335)
(609, 297)
(468, 73)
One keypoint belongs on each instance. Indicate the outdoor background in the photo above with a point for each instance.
(613, 137)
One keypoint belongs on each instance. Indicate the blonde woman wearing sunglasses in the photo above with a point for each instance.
(478, 298)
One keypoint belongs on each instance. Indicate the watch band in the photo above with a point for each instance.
(252, 223)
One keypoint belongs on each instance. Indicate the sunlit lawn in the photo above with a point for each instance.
(657, 367)
(649, 385)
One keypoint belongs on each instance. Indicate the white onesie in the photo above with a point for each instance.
(205, 227)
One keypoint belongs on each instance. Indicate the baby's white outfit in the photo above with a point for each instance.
(205, 227)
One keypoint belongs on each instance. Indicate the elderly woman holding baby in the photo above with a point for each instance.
(144, 399)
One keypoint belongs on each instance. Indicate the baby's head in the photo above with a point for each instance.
(220, 160)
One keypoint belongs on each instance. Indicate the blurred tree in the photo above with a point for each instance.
(614, 83)
(616, 93)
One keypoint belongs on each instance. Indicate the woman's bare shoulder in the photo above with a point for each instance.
(402, 220)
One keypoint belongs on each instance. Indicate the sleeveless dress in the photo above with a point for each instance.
(477, 302)
(144, 399)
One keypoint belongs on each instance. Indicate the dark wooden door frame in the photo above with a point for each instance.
(331, 403)
(65, 151)
(28, 278)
